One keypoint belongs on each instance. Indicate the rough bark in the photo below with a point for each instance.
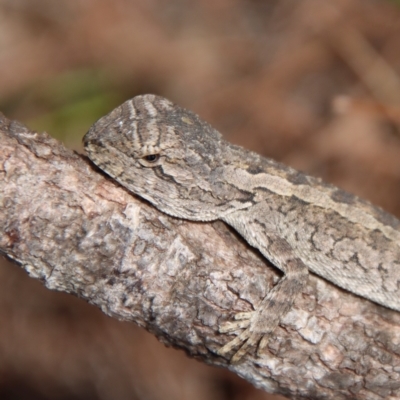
(77, 231)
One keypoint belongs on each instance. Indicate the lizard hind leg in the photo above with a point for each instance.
(260, 324)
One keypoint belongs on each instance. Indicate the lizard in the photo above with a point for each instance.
(180, 164)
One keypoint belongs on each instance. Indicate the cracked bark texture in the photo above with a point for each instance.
(77, 231)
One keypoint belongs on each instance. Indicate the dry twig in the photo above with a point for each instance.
(79, 232)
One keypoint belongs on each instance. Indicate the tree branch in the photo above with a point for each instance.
(77, 231)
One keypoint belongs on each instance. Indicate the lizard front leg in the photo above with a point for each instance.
(261, 323)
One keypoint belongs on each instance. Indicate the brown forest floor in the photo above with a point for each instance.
(314, 84)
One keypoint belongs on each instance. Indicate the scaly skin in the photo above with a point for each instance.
(184, 167)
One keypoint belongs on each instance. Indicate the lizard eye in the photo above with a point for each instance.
(151, 158)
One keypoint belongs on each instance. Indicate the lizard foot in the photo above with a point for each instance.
(249, 338)
(259, 325)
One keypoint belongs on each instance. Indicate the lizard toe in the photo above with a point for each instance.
(223, 351)
(229, 327)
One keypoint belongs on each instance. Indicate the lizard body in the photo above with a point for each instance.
(184, 167)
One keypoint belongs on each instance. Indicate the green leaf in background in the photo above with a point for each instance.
(65, 105)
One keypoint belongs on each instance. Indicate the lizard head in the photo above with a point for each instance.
(168, 156)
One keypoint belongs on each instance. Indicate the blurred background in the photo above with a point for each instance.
(311, 83)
